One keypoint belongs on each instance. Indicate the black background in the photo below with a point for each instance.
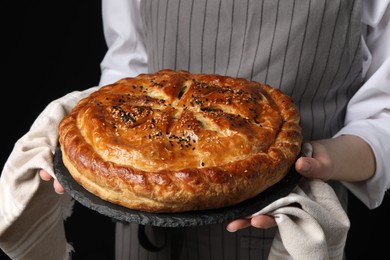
(50, 48)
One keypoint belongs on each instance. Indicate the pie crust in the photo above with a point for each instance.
(173, 141)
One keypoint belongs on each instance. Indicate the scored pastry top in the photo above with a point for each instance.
(176, 134)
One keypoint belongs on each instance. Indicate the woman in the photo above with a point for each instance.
(312, 50)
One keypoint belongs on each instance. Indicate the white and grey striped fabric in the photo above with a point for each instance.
(310, 49)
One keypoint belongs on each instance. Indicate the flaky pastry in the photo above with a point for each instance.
(173, 141)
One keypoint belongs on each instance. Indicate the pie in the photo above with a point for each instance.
(173, 141)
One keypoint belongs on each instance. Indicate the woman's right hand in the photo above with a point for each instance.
(47, 177)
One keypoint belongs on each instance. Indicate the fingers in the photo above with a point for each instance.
(237, 224)
(313, 168)
(58, 187)
(260, 221)
(307, 149)
(304, 166)
(263, 221)
(47, 177)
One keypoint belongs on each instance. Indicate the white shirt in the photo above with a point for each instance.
(368, 112)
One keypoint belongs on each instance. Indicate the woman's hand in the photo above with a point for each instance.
(260, 221)
(344, 158)
(47, 177)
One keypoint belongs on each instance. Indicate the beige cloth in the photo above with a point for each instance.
(311, 221)
(31, 213)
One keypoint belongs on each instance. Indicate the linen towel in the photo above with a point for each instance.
(31, 213)
(311, 223)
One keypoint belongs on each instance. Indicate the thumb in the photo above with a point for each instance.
(311, 168)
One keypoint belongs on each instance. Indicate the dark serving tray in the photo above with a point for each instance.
(191, 218)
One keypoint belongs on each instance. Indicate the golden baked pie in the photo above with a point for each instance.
(173, 141)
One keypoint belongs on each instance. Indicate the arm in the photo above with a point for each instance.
(368, 114)
(358, 154)
(126, 55)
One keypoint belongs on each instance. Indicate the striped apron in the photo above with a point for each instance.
(310, 49)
